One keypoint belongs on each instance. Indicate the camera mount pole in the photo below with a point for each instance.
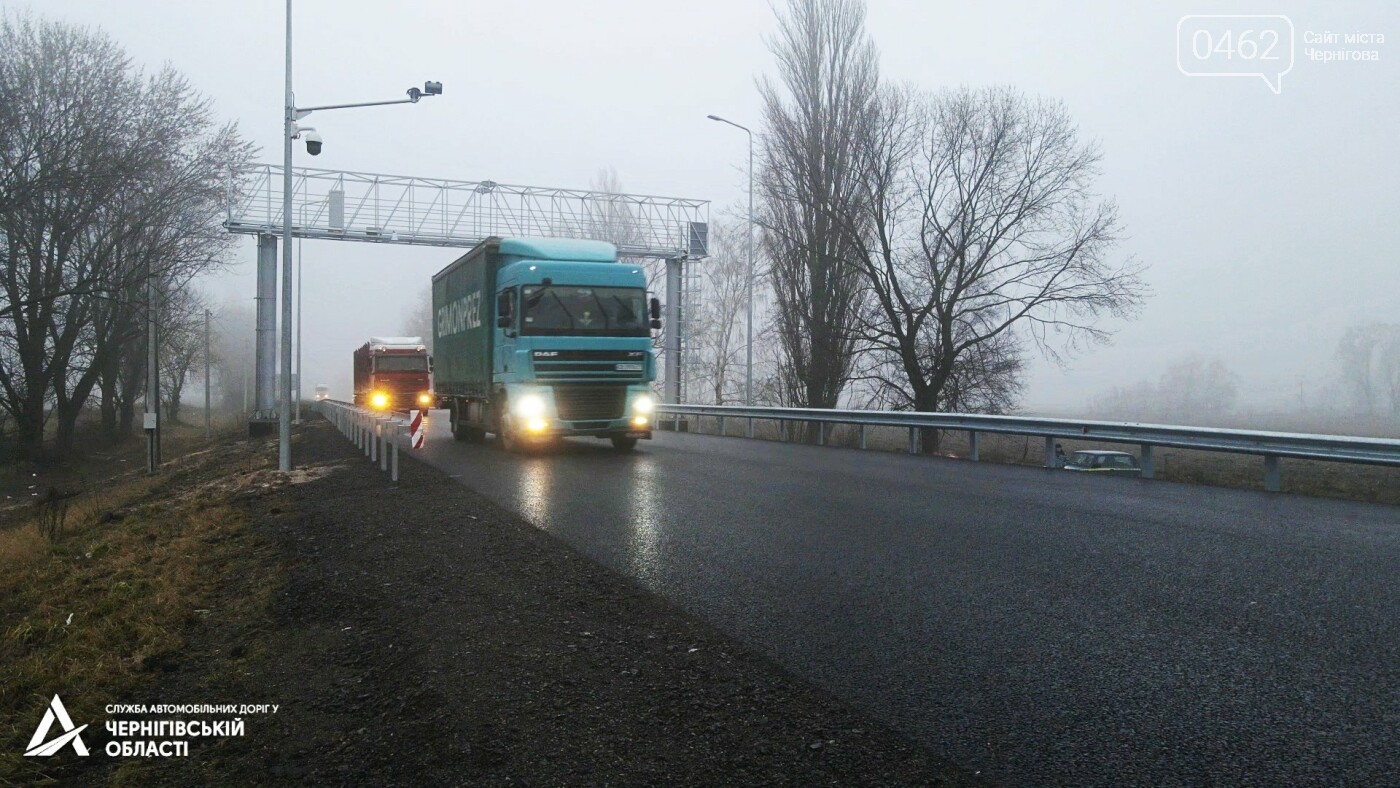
(291, 114)
(284, 395)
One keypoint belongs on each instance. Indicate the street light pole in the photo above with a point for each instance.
(748, 342)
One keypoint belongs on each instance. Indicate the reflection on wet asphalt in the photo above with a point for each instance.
(1040, 628)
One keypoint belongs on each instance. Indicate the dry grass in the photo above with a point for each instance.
(102, 607)
(1373, 484)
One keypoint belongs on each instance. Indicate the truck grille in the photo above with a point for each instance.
(582, 365)
(583, 403)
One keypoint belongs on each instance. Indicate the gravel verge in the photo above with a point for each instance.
(418, 634)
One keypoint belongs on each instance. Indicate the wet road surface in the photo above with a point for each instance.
(1042, 627)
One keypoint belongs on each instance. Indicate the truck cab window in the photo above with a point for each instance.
(556, 310)
(401, 364)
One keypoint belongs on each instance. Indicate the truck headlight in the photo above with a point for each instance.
(530, 406)
(424, 399)
(379, 400)
(644, 404)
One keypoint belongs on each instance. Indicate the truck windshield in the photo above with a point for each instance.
(401, 364)
(557, 310)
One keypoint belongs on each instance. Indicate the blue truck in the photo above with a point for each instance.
(536, 339)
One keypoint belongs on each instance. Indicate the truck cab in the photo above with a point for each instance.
(569, 348)
(392, 373)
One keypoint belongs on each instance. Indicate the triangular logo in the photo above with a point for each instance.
(37, 745)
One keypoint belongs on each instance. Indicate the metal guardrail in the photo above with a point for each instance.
(373, 432)
(1270, 445)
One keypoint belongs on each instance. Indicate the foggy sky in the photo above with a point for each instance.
(1268, 221)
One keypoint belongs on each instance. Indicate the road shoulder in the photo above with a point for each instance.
(420, 634)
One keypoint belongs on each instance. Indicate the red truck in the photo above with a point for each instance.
(391, 373)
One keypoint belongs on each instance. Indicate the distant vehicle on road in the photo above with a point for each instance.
(322, 392)
(540, 338)
(391, 373)
(1112, 463)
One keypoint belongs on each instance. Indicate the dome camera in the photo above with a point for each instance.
(313, 142)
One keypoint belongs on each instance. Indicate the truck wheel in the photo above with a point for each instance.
(459, 431)
(506, 438)
(624, 444)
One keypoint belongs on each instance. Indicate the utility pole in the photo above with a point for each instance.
(151, 417)
(207, 397)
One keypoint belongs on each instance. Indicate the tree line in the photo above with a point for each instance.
(919, 244)
(113, 185)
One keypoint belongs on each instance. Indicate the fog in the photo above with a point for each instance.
(1268, 221)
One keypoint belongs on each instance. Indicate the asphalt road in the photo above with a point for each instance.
(1042, 627)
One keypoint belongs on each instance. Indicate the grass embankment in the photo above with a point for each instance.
(99, 589)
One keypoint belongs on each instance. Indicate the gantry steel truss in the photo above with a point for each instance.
(397, 209)
(375, 208)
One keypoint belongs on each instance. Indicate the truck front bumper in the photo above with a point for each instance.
(621, 428)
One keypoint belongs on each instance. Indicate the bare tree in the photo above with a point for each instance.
(1193, 390)
(1369, 356)
(233, 353)
(810, 188)
(980, 232)
(717, 333)
(113, 178)
(419, 320)
(182, 346)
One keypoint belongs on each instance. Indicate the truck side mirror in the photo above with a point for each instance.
(503, 321)
(430, 363)
(655, 311)
(655, 323)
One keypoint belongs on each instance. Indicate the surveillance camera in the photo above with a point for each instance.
(414, 94)
(432, 88)
(313, 142)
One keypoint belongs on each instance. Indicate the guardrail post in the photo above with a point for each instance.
(374, 440)
(1049, 452)
(913, 440)
(974, 452)
(862, 437)
(1148, 468)
(1272, 477)
(721, 426)
(748, 431)
(394, 472)
(821, 433)
(384, 429)
(782, 431)
(369, 439)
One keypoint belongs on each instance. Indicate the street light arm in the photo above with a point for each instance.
(304, 111)
(730, 122)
